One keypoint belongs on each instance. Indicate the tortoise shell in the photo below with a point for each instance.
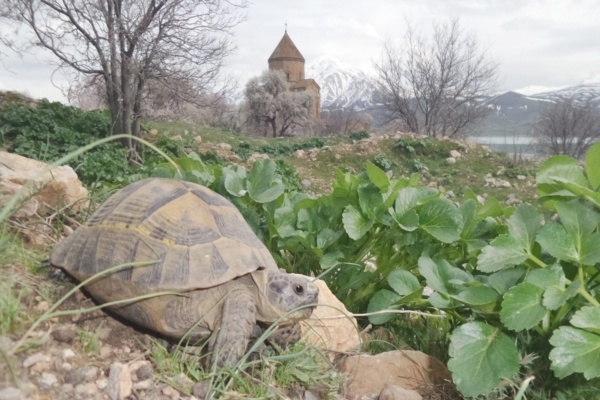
(197, 237)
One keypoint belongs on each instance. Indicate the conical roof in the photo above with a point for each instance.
(286, 49)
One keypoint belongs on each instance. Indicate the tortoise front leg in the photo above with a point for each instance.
(230, 339)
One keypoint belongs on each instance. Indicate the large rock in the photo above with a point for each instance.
(369, 375)
(331, 326)
(42, 191)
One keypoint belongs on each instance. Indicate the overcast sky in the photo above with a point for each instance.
(537, 43)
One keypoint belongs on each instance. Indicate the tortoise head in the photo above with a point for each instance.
(291, 294)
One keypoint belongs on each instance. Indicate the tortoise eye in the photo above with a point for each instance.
(298, 289)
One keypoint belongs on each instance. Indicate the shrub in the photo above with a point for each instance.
(359, 135)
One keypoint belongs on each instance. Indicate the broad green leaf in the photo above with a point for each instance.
(557, 242)
(578, 219)
(556, 296)
(370, 200)
(544, 277)
(468, 210)
(284, 221)
(503, 281)
(234, 179)
(523, 225)
(503, 252)
(441, 219)
(587, 318)
(443, 277)
(377, 176)
(491, 208)
(575, 350)
(442, 301)
(481, 356)
(355, 223)
(592, 166)
(573, 189)
(330, 260)
(262, 183)
(327, 237)
(481, 298)
(382, 300)
(403, 282)
(563, 167)
(522, 307)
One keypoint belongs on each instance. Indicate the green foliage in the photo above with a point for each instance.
(278, 147)
(359, 135)
(383, 162)
(49, 131)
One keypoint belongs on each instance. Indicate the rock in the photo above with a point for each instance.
(331, 326)
(86, 390)
(450, 160)
(41, 192)
(153, 132)
(47, 380)
(201, 389)
(257, 156)
(141, 370)
(299, 153)
(64, 335)
(11, 393)
(65, 354)
(198, 141)
(521, 177)
(455, 154)
(512, 199)
(119, 382)
(42, 306)
(142, 385)
(306, 183)
(394, 392)
(225, 146)
(76, 376)
(177, 138)
(35, 359)
(369, 375)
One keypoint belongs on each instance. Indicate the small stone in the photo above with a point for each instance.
(310, 395)
(201, 389)
(11, 393)
(153, 132)
(80, 375)
(126, 349)
(168, 391)
(65, 335)
(176, 138)
(65, 354)
(306, 183)
(455, 154)
(105, 351)
(521, 177)
(102, 383)
(67, 388)
(67, 230)
(198, 140)
(34, 359)
(86, 390)
(42, 306)
(450, 160)
(224, 146)
(119, 382)
(47, 380)
(393, 392)
(143, 385)
(141, 370)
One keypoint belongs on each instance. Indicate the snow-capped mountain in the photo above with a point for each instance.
(342, 85)
(583, 92)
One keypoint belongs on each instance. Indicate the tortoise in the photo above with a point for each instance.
(225, 279)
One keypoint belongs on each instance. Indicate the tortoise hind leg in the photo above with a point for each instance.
(230, 339)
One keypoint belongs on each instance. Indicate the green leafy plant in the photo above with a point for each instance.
(359, 135)
(383, 162)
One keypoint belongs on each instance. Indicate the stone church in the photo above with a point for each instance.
(287, 58)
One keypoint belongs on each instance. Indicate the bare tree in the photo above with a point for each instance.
(272, 105)
(434, 86)
(127, 44)
(568, 127)
(345, 121)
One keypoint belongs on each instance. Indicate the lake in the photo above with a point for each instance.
(522, 145)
